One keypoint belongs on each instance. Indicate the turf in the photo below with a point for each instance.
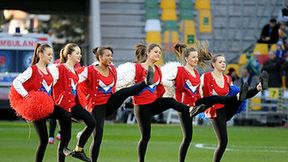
(246, 144)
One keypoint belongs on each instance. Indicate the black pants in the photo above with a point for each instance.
(101, 111)
(220, 127)
(41, 129)
(186, 121)
(144, 115)
(187, 131)
(52, 127)
(82, 115)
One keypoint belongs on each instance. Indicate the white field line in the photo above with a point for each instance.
(245, 148)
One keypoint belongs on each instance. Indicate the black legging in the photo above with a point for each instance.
(220, 127)
(80, 114)
(186, 120)
(52, 127)
(101, 111)
(144, 115)
(41, 129)
(187, 131)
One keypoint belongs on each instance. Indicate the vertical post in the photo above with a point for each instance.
(94, 28)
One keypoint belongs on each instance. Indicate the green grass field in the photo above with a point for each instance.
(246, 144)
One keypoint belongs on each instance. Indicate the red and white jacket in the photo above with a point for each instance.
(151, 92)
(32, 79)
(99, 87)
(209, 87)
(180, 83)
(187, 86)
(64, 86)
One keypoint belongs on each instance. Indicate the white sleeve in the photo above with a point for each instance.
(83, 75)
(125, 75)
(53, 69)
(20, 79)
(169, 73)
(168, 79)
(201, 85)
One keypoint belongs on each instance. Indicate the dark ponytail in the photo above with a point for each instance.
(37, 49)
(203, 53)
(179, 49)
(140, 53)
(67, 50)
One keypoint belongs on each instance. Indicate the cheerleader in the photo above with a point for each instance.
(30, 95)
(150, 102)
(64, 94)
(184, 81)
(98, 84)
(216, 83)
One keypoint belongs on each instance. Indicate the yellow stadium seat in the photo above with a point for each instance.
(205, 20)
(187, 27)
(243, 59)
(255, 100)
(169, 14)
(273, 47)
(153, 37)
(171, 37)
(261, 48)
(202, 4)
(235, 66)
(168, 4)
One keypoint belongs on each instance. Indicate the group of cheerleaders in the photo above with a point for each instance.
(90, 94)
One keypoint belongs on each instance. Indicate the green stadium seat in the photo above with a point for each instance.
(186, 4)
(186, 14)
(151, 4)
(170, 25)
(152, 13)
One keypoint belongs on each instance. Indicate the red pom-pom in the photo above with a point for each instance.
(35, 106)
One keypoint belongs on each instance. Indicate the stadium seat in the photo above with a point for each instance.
(243, 59)
(151, 4)
(170, 25)
(187, 28)
(152, 25)
(202, 4)
(168, 4)
(235, 66)
(205, 21)
(261, 48)
(153, 37)
(171, 36)
(169, 14)
(262, 58)
(152, 13)
(186, 14)
(186, 4)
(256, 101)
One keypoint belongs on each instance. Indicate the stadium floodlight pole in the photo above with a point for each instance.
(94, 27)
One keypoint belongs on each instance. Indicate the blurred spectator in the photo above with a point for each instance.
(285, 72)
(253, 66)
(232, 73)
(252, 80)
(273, 67)
(269, 34)
(283, 33)
(283, 14)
